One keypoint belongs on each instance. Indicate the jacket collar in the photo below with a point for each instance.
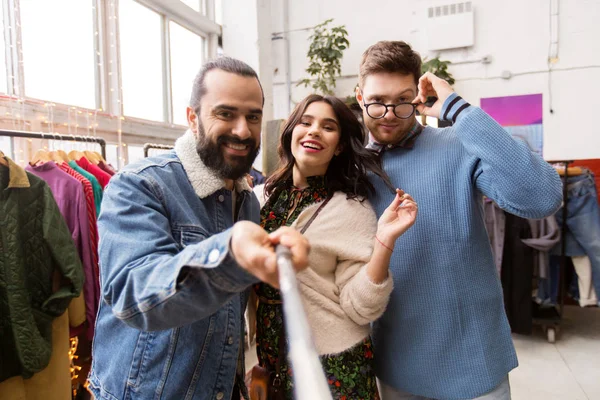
(204, 180)
(17, 177)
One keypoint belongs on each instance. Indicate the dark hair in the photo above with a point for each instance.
(390, 56)
(226, 64)
(347, 172)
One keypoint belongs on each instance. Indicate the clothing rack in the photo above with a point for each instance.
(149, 146)
(550, 318)
(56, 136)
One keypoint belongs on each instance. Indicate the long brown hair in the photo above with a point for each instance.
(347, 172)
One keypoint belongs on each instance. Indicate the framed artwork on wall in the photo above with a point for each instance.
(521, 116)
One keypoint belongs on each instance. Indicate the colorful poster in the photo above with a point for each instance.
(521, 116)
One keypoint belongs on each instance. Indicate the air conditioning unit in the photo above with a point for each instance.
(450, 26)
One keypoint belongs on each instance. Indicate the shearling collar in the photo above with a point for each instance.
(204, 181)
(17, 177)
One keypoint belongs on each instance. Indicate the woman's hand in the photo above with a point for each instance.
(396, 219)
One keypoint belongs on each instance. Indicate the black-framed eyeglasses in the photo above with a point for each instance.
(380, 110)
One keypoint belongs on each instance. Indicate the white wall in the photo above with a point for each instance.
(515, 33)
(247, 36)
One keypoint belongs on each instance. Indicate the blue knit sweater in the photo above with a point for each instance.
(445, 334)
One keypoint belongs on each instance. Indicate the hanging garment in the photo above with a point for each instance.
(102, 176)
(95, 184)
(587, 293)
(583, 223)
(35, 242)
(91, 213)
(54, 381)
(91, 206)
(495, 224)
(107, 168)
(517, 274)
(545, 234)
(70, 198)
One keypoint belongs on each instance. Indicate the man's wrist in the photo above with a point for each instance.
(453, 106)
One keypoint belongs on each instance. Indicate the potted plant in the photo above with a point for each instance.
(440, 69)
(327, 45)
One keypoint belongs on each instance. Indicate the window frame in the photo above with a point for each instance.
(108, 118)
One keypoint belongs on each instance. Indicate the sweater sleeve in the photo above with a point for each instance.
(507, 171)
(361, 299)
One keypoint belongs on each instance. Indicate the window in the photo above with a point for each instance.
(112, 157)
(58, 51)
(193, 4)
(219, 12)
(67, 59)
(140, 34)
(187, 53)
(6, 146)
(156, 152)
(3, 77)
(134, 153)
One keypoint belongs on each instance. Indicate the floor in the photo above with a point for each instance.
(568, 369)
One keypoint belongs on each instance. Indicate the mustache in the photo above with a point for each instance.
(236, 140)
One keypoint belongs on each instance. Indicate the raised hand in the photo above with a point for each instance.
(254, 249)
(396, 219)
(431, 85)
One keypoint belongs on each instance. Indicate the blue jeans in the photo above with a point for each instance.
(583, 227)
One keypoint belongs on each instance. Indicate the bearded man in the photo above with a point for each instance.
(179, 249)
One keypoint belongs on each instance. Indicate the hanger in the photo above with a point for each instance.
(85, 151)
(571, 171)
(97, 156)
(63, 155)
(2, 159)
(100, 158)
(74, 155)
(40, 156)
(54, 155)
(91, 156)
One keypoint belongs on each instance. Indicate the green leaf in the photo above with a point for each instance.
(325, 52)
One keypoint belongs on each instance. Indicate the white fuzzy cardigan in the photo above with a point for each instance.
(339, 299)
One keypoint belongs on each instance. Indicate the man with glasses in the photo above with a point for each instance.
(445, 334)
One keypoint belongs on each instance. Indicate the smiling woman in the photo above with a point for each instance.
(328, 117)
(324, 167)
(315, 141)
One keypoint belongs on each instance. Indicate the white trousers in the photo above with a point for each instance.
(501, 392)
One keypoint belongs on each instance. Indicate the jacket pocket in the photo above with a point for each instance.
(141, 355)
(189, 234)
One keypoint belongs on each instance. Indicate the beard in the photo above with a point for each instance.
(231, 167)
(389, 137)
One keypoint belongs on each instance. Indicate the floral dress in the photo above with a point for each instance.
(350, 374)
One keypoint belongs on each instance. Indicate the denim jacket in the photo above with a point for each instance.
(170, 322)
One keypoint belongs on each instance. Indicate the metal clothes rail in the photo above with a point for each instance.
(56, 136)
(149, 146)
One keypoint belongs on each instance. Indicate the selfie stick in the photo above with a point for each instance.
(310, 382)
